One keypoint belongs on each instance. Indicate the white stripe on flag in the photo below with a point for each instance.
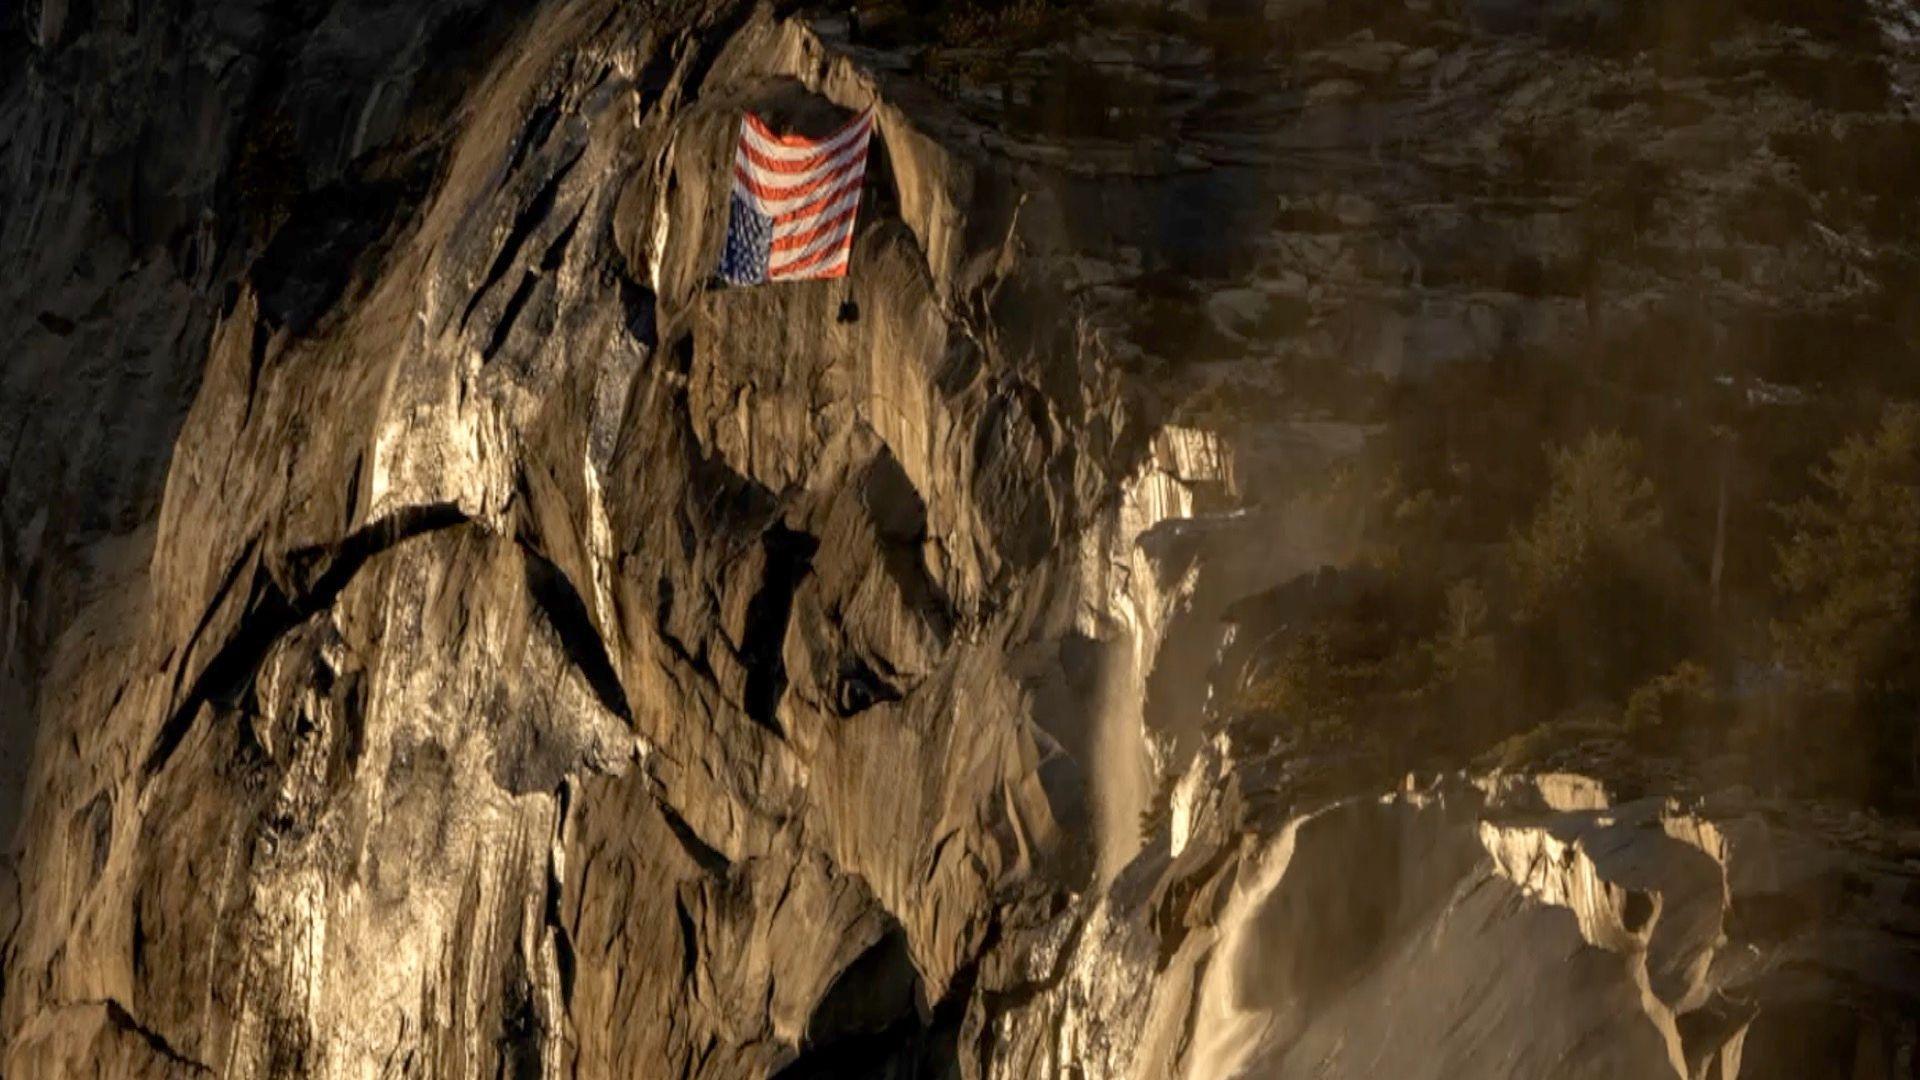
(834, 236)
(798, 226)
(806, 193)
(838, 185)
(767, 178)
(777, 151)
(833, 267)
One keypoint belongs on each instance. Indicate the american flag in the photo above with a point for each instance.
(794, 202)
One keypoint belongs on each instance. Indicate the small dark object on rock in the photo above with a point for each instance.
(62, 327)
(849, 311)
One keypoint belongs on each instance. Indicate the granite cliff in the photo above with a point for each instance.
(444, 635)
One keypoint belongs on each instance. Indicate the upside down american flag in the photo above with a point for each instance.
(794, 202)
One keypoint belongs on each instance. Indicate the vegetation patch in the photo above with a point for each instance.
(1740, 603)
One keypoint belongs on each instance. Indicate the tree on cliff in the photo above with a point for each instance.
(1598, 512)
(1850, 570)
(1595, 577)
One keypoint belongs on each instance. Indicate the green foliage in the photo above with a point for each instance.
(1310, 683)
(1850, 572)
(1538, 746)
(1601, 596)
(1598, 516)
(1336, 676)
(1850, 567)
(1670, 699)
(1009, 24)
(1594, 609)
(1413, 527)
(268, 171)
(1159, 809)
(1461, 639)
(1465, 648)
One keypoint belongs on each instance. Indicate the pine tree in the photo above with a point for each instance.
(1850, 570)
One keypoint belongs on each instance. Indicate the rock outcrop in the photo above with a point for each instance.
(456, 639)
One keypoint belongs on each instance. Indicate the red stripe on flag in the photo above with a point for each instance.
(801, 142)
(831, 251)
(793, 241)
(765, 132)
(795, 165)
(775, 165)
(833, 268)
(819, 204)
(767, 191)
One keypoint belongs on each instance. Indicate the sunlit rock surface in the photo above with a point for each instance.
(453, 639)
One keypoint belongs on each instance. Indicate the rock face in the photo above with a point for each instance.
(457, 640)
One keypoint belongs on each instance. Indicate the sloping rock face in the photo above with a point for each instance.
(456, 640)
(547, 663)
(1489, 925)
